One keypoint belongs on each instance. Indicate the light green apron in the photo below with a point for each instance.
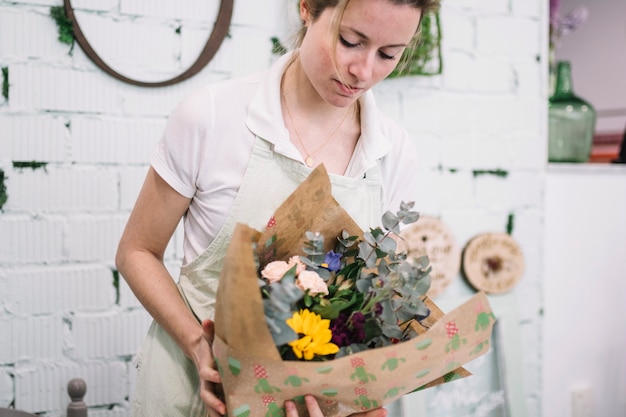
(167, 381)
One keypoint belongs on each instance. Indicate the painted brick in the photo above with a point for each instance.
(115, 412)
(43, 387)
(114, 141)
(41, 41)
(189, 9)
(469, 223)
(39, 137)
(457, 190)
(485, 75)
(32, 240)
(94, 238)
(158, 102)
(100, 5)
(39, 87)
(140, 49)
(248, 50)
(6, 386)
(500, 35)
(479, 7)
(428, 192)
(39, 2)
(55, 189)
(107, 335)
(459, 31)
(131, 180)
(265, 15)
(61, 288)
(30, 338)
(532, 8)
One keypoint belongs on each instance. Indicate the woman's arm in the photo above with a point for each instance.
(139, 259)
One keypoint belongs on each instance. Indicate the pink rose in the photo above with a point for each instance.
(300, 266)
(310, 280)
(275, 270)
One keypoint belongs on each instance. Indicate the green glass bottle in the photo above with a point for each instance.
(572, 121)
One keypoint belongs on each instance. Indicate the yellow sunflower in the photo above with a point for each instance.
(315, 335)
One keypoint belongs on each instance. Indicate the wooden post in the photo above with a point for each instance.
(76, 389)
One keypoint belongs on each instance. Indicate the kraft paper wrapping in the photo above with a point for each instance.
(257, 382)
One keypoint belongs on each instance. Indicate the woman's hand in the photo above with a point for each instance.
(209, 376)
(314, 409)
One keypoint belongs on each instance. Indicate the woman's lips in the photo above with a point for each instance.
(347, 89)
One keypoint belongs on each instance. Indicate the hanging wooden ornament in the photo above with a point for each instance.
(430, 236)
(493, 262)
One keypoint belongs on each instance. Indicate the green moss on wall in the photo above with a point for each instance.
(497, 172)
(5, 83)
(510, 224)
(116, 285)
(29, 164)
(64, 24)
(3, 190)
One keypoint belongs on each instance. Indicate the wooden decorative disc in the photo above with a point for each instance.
(493, 262)
(430, 236)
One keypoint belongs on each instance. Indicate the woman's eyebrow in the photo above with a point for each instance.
(365, 37)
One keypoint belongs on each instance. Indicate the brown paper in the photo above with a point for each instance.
(257, 382)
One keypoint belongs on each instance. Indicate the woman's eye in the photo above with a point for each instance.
(347, 44)
(385, 56)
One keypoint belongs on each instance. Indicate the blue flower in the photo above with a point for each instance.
(332, 261)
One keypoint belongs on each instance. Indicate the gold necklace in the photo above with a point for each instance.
(308, 160)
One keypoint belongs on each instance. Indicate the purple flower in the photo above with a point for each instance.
(348, 329)
(332, 261)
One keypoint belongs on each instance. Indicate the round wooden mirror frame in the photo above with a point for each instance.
(220, 30)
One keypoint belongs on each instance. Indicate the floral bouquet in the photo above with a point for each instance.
(314, 305)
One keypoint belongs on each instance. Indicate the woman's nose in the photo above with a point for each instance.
(362, 66)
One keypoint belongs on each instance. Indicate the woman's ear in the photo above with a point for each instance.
(305, 16)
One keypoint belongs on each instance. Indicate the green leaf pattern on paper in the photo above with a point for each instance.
(367, 373)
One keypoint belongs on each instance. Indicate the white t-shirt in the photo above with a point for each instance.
(205, 147)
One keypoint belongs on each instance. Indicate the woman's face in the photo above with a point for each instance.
(372, 36)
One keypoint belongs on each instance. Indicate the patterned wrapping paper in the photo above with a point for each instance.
(257, 382)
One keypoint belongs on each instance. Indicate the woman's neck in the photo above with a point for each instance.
(321, 132)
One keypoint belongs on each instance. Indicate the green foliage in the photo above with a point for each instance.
(277, 47)
(3, 190)
(5, 83)
(64, 24)
(277, 302)
(425, 58)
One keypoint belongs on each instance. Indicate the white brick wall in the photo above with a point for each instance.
(61, 313)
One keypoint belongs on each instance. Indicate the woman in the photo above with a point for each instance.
(232, 152)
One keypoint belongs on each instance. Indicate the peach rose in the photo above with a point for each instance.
(300, 266)
(310, 280)
(275, 270)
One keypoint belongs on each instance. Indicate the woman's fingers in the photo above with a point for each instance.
(314, 409)
(208, 328)
(209, 377)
